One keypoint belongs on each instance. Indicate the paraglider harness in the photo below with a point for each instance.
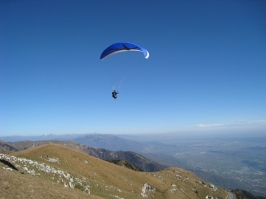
(114, 93)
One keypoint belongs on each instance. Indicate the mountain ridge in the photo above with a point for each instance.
(135, 159)
(101, 178)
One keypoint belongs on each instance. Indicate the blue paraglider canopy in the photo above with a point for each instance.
(122, 47)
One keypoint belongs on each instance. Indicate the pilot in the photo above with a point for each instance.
(114, 93)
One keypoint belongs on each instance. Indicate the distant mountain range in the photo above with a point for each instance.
(17, 138)
(110, 142)
(106, 141)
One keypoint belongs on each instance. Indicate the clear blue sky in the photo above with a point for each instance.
(206, 71)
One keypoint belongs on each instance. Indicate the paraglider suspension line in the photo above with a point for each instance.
(121, 82)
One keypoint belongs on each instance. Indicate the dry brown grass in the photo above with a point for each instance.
(15, 185)
(106, 180)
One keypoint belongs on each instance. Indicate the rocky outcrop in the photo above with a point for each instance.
(147, 190)
(27, 166)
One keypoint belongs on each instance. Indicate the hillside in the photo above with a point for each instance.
(15, 185)
(6, 147)
(58, 167)
(135, 159)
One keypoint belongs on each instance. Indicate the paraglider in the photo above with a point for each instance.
(122, 47)
(114, 93)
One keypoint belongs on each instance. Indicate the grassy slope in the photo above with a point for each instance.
(108, 180)
(15, 185)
